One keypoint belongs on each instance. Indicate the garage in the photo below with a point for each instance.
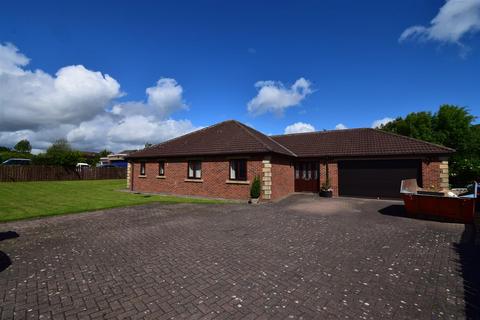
(376, 178)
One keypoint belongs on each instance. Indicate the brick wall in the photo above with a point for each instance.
(283, 177)
(332, 174)
(215, 173)
(435, 174)
(280, 178)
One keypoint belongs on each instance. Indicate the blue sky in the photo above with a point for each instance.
(347, 57)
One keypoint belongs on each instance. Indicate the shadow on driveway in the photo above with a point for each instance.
(469, 266)
(5, 261)
(398, 210)
(468, 260)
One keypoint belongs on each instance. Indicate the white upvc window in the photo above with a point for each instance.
(194, 169)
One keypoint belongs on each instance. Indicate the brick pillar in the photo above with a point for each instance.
(444, 174)
(435, 174)
(267, 178)
(129, 175)
(333, 173)
(332, 176)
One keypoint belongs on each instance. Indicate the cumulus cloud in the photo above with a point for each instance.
(380, 122)
(455, 19)
(32, 99)
(340, 126)
(11, 60)
(299, 127)
(80, 104)
(129, 132)
(274, 97)
(40, 138)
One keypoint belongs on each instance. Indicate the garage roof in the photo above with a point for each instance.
(357, 142)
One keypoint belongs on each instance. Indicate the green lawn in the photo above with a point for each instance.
(23, 200)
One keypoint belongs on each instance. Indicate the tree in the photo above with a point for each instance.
(418, 125)
(104, 153)
(7, 153)
(255, 189)
(451, 126)
(60, 153)
(23, 146)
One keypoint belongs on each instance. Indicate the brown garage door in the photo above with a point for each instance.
(376, 178)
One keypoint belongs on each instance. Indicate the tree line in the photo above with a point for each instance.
(451, 126)
(60, 153)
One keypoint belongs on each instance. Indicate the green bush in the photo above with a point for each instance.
(326, 186)
(255, 188)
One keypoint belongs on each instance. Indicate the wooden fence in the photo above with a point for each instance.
(46, 173)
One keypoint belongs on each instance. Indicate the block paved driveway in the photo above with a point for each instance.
(302, 258)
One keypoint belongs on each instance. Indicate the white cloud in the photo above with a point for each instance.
(166, 97)
(32, 99)
(163, 99)
(11, 60)
(380, 122)
(40, 138)
(143, 129)
(275, 97)
(340, 126)
(79, 104)
(456, 19)
(299, 127)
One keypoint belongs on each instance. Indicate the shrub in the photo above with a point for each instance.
(255, 188)
(326, 186)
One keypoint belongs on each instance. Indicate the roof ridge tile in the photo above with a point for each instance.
(414, 139)
(247, 129)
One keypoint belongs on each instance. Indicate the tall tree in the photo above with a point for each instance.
(23, 146)
(104, 153)
(60, 153)
(451, 126)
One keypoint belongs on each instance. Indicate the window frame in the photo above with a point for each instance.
(143, 168)
(194, 177)
(235, 163)
(161, 167)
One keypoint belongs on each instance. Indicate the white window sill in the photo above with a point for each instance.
(160, 177)
(237, 182)
(142, 176)
(194, 180)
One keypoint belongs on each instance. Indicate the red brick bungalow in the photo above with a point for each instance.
(222, 160)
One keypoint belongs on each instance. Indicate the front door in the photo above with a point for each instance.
(306, 176)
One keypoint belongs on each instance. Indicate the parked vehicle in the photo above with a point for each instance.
(16, 162)
(82, 165)
(106, 166)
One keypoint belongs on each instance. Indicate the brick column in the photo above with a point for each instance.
(444, 174)
(129, 175)
(332, 176)
(435, 174)
(267, 178)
